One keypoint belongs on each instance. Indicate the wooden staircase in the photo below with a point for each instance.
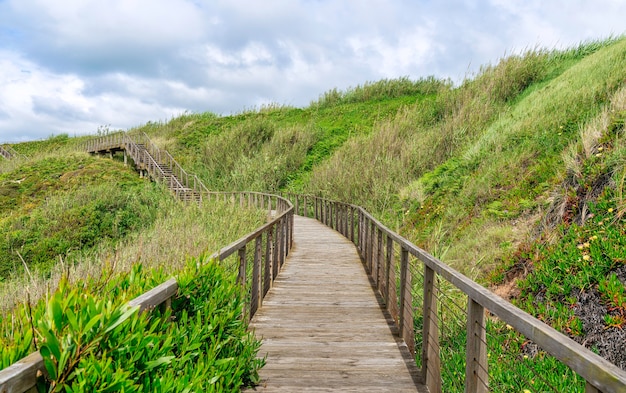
(151, 162)
(8, 153)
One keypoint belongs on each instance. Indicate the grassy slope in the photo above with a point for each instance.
(65, 212)
(477, 174)
(495, 176)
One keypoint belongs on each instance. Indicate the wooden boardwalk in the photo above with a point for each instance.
(322, 325)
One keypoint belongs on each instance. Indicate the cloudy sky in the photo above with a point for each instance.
(70, 66)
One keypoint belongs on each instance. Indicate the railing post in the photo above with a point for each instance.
(256, 297)
(292, 223)
(384, 279)
(431, 364)
(346, 220)
(392, 295)
(379, 260)
(241, 277)
(289, 230)
(275, 251)
(371, 228)
(352, 224)
(406, 302)
(476, 374)
(281, 242)
(297, 206)
(362, 235)
(267, 271)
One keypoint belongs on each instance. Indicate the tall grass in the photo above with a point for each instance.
(475, 162)
(380, 90)
(179, 232)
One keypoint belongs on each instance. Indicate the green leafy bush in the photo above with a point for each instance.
(91, 341)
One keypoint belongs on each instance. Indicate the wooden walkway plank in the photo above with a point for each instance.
(322, 325)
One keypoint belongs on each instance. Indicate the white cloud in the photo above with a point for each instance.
(72, 66)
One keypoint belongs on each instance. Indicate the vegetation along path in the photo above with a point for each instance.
(322, 326)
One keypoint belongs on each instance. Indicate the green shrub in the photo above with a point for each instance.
(91, 341)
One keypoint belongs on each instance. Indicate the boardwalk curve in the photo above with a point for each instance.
(322, 325)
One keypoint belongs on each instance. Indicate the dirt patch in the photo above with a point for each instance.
(609, 342)
(508, 290)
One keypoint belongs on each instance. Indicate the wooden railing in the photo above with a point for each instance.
(149, 159)
(9, 153)
(410, 281)
(272, 243)
(259, 255)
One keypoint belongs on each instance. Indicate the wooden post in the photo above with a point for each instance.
(476, 374)
(275, 263)
(279, 245)
(379, 261)
(256, 298)
(431, 364)
(406, 302)
(375, 253)
(345, 216)
(360, 233)
(289, 238)
(388, 256)
(166, 305)
(392, 299)
(370, 246)
(267, 269)
(241, 278)
(352, 224)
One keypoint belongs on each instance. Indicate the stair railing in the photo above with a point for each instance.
(149, 157)
(9, 153)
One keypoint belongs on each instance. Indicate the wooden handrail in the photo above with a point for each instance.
(148, 157)
(272, 243)
(375, 242)
(278, 235)
(9, 153)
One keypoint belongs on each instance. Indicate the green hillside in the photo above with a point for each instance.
(494, 176)
(515, 177)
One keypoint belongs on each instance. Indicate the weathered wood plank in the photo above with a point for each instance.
(155, 296)
(322, 325)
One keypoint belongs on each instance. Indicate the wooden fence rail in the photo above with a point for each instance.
(9, 153)
(379, 248)
(151, 161)
(275, 238)
(261, 253)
